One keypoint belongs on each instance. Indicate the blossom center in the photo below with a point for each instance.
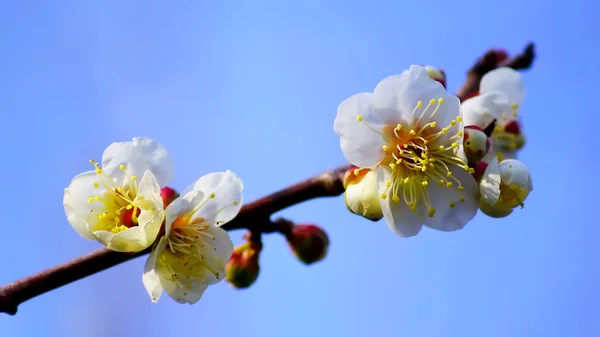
(420, 153)
(118, 209)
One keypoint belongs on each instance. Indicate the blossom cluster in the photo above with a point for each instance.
(125, 204)
(422, 157)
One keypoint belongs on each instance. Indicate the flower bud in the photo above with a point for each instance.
(515, 184)
(308, 242)
(168, 195)
(476, 143)
(508, 136)
(362, 195)
(242, 268)
(436, 74)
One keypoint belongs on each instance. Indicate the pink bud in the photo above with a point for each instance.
(308, 242)
(243, 268)
(168, 195)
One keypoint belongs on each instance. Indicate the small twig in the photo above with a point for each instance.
(254, 216)
(489, 62)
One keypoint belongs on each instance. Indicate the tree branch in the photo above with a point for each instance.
(254, 216)
(490, 61)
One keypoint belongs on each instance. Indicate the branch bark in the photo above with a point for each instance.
(254, 216)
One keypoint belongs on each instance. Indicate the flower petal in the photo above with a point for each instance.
(361, 141)
(83, 215)
(138, 156)
(181, 206)
(448, 218)
(507, 81)
(489, 186)
(514, 172)
(227, 200)
(398, 95)
(151, 278)
(138, 238)
(399, 218)
(219, 249)
(481, 110)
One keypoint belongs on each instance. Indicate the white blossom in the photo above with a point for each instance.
(410, 129)
(118, 203)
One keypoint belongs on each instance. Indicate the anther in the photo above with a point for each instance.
(462, 199)
(122, 168)
(460, 188)
(359, 118)
(388, 183)
(395, 198)
(212, 195)
(134, 178)
(449, 184)
(453, 122)
(458, 118)
(96, 185)
(451, 204)
(442, 148)
(449, 174)
(398, 127)
(383, 196)
(440, 100)
(432, 101)
(413, 132)
(356, 172)
(419, 104)
(385, 148)
(431, 212)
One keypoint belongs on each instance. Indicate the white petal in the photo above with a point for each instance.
(151, 279)
(138, 156)
(81, 214)
(507, 81)
(481, 110)
(181, 206)
(227, 202)
(398, 216)
(361, 141)
(139, 237)
(513, 172)
(220, 249)
(490, 182)
(453, 218)
(398, 95)
(176, 292)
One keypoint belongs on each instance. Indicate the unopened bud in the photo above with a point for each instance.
(476, 143)
(308, 242)
(508, 136)
(436, 74)
(168, 195)
(515, 184)
(243, 268)
(362, 194)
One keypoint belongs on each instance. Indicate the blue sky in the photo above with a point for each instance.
(253, 86)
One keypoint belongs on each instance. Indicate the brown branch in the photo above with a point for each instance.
(490, 61)
(254, 216)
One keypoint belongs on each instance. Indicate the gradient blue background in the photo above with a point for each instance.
(253, 86)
